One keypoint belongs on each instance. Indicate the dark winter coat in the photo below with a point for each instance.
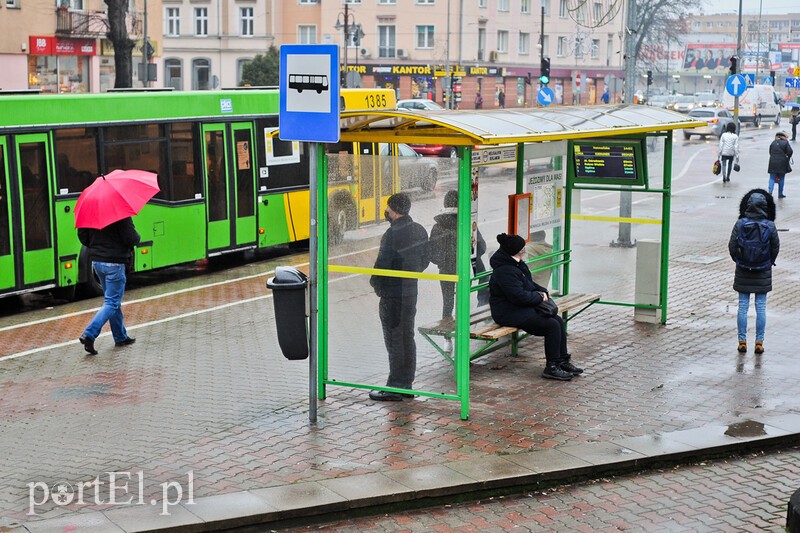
(758, 205)
(780, 152)
(404, 246)
(444, 241)
(513, 293)
(112, 244)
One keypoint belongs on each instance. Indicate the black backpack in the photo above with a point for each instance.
(754, 241)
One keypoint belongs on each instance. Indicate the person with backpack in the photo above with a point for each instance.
(728, 153)
(754, 246)
(780, 155)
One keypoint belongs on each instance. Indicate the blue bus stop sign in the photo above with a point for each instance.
(736, 85)
(309, 93)
(545, 96)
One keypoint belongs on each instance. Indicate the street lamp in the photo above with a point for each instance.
(344, 22)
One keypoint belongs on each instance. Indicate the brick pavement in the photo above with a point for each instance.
(208, 394)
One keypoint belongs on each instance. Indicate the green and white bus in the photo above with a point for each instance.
(226, 185)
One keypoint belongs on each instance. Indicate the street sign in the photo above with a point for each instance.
(545, 96)
(309, 93)
(750, 79)
(766, 81)
(735, 85)
(792, 83)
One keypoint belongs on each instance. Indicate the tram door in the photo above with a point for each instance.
(230, 186)
(35, 214)
(7, 269)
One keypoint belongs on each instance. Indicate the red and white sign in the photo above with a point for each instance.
(578, 79)
(56, 46)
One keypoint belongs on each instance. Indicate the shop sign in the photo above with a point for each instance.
(107, 48)
(49, 45)
(493, 156)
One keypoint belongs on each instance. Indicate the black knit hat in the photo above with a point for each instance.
(511, 244)
(400, 203)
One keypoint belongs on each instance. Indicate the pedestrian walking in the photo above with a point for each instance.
(110, 251)
(514, 297)
(728, 152)
(754, 246)
(794, 119)
(478, 101)
(443, 247)
(780, 156)
(404, 246)
(501, 98)
(605, 97)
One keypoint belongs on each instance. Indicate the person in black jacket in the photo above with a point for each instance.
(110, 251)
(404, 246)
(513, 299)
(780, 153)
(757, 204)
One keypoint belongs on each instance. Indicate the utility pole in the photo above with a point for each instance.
(625, 196)
(448, 85)
(738, 55)
(144, 48)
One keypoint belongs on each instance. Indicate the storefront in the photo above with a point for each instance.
(59, 64)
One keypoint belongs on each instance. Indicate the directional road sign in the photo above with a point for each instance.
(309, 93)
(735, 85)
(546, 96)
(792, 83)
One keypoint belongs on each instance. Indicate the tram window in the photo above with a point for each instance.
(35, 195)
(133, 132)
(76, 159)
(217, 194)
(278, 176)
(186, 183)
(245, 195)
(5, 244)
(148, 155)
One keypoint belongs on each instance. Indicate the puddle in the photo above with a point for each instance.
(748, 428)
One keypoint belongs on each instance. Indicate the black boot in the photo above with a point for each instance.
(554, 371)
(569, 367)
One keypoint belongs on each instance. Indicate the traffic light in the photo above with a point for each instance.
(649, 78)
(772, 77)
(148, 50)
(528, 79)
(734, 65)
(544, 76)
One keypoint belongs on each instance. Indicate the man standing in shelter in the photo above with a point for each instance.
(404, 246)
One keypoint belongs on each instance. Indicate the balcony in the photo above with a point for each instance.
(92, 24)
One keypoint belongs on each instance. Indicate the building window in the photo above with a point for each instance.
(173, 21)
(424, 36)
(599, 14)
(562, 48)
(595, 48)
(502, 42)
(201, 21)
(386, 41)
(481, 3)
(546, 6)
(246, 20)
(240, 63)
(481, 44)
(524, 43)
(306, 35)
(309, 1)
(525, 6)
(387, 2)
(173, 74)
(562, 9)
(431, 2)
(352, 1)
(201, 74)
(12, 4)
(502, 5)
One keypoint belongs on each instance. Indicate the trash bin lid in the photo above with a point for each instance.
(287, 276)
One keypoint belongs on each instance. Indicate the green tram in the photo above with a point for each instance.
(226, 185)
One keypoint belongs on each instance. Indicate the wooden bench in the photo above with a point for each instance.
(483, 328)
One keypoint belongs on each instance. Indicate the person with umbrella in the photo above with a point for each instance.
(103, 218)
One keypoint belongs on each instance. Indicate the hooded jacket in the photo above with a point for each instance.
(404, 246)
(513, 293)
(757, 205)
(443, 242)
(780, 152)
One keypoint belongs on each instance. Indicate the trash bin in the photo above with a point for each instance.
(289, 298)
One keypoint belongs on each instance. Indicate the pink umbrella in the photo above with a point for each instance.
(117, 195)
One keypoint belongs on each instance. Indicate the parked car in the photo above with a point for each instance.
(683, 104)
(718, 119)
(416, 171)
(436, 150)
(418, 103)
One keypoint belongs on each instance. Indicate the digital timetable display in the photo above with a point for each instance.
(605, 161)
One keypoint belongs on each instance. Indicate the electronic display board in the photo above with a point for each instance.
(617, 162)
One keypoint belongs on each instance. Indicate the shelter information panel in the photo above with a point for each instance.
(613, 162)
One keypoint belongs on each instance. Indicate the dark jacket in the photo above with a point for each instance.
(513, 293)
(112, 244)
(404, 246)
(780, 151)
(443, 243)
(758, 205)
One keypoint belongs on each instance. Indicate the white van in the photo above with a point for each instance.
(758, 103)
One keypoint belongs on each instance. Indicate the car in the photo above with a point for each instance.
(683, 104)
(415, 171)
(707, 99)
(436, 150)
(659, 100)
(418, 103)
(717, 118)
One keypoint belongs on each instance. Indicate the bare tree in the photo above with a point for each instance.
(663, 21)
(123, 45)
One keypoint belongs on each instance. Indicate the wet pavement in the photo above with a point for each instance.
(204, 413)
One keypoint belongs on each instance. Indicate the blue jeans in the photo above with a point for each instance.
(761, 315)
(780, 178)
(112, 278)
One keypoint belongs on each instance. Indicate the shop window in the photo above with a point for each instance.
(76, 159)
(201, 74)
(173, 74)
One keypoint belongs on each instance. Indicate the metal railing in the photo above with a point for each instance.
(86, 23)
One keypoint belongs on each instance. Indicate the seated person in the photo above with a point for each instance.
(513, 297)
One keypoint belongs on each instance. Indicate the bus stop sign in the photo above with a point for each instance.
(309, 93)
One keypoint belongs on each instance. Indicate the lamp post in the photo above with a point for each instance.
(738, 55)
(343, 22)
